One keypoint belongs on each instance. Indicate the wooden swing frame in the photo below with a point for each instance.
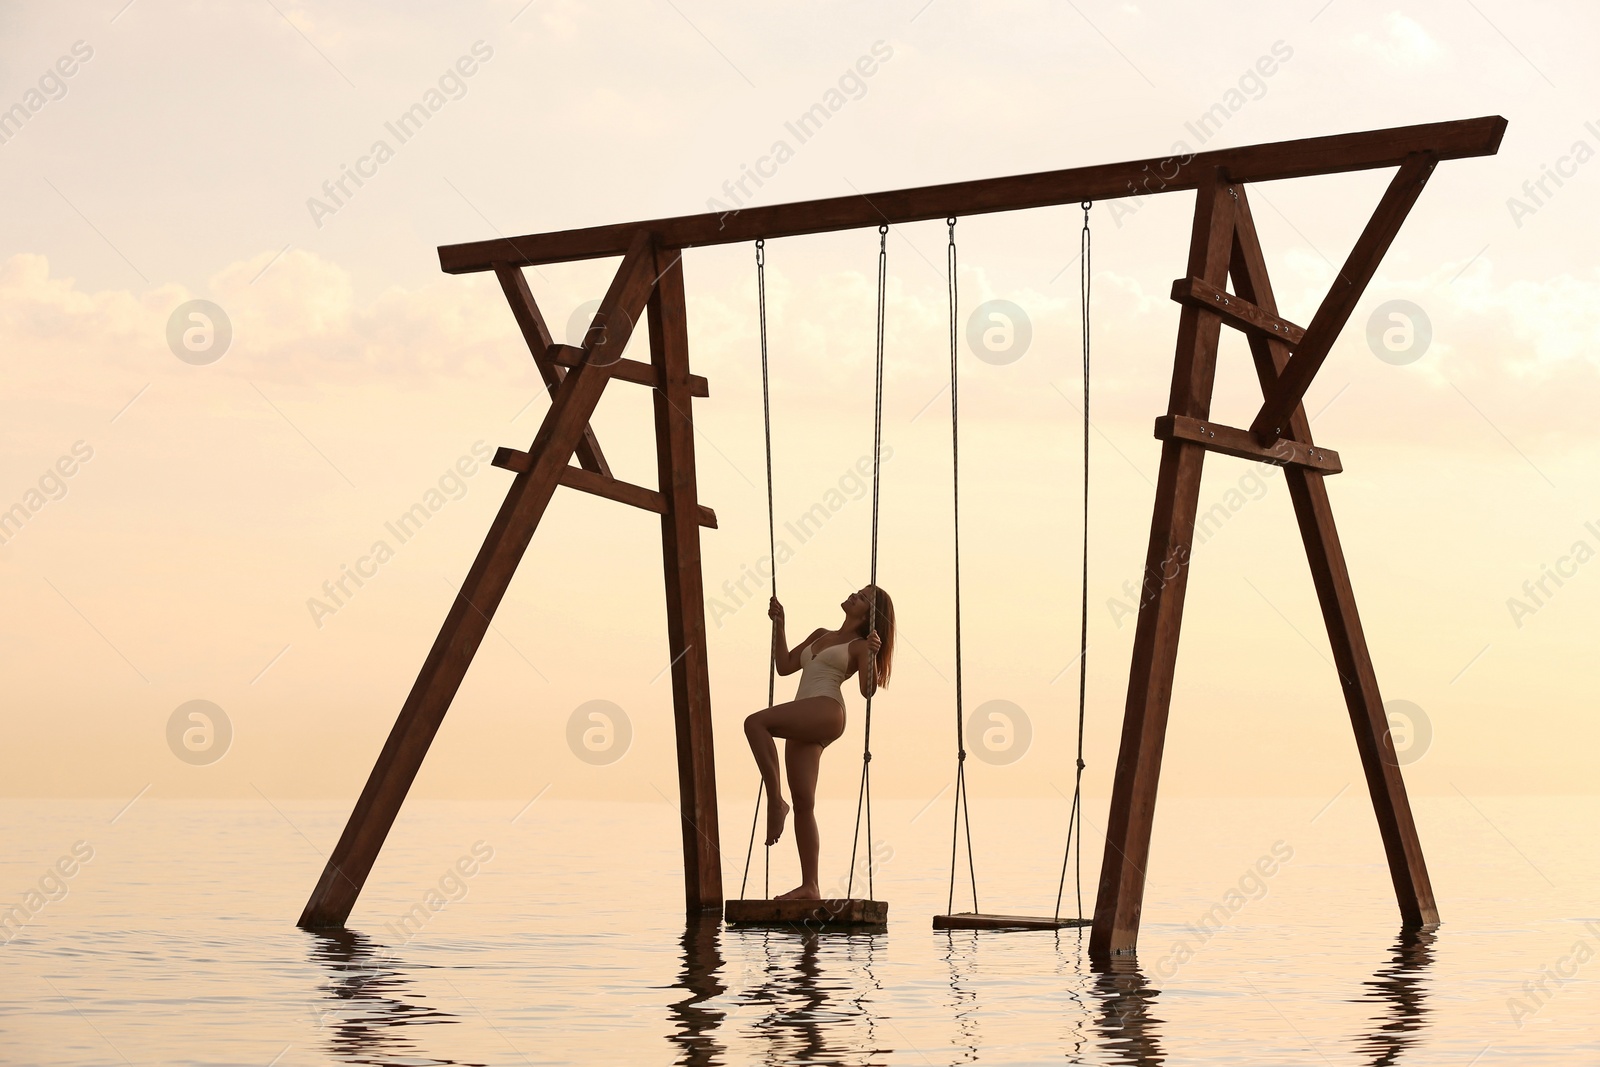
(649, 283)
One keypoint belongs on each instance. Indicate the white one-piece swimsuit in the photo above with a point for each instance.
(822, 673)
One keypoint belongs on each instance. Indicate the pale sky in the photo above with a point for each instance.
(208, 504)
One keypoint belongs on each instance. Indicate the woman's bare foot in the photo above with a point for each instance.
(803, 892)
(777, 812)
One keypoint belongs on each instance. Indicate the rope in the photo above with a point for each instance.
(1075, 816)
(772, 544)
(864, 797)
(962, 815)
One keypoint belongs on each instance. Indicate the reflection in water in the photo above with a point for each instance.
(1127, 1028)
(1397, 985)
(816, 991)
(963, 1001)
(696, 1025)
(367, 1011)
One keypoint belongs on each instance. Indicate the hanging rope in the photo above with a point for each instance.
(864, 797)
(962, 816)
(1075, 816)
(772, 548)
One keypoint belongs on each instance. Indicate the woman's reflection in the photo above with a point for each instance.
(813, 1012)
(367, 1007)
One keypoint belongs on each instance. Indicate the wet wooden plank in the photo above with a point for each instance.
(972, 920)
(807, 913)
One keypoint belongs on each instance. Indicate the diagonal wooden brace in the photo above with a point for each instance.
(1335, 592)
(1359, 267)
(481, 592)
(537, 335)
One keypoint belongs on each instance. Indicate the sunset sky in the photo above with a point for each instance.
(180, 519)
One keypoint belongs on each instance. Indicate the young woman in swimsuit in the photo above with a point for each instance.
(814, 719)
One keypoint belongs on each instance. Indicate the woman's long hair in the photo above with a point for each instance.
(884, 609)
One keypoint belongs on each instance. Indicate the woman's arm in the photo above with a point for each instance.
(864, 653)
(787, 659)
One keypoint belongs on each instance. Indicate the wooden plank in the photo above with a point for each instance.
(1359, 267)
(1232, 441)
(628, 370)
(1120, 899)
(807, 913)
(1235, 310)
(468, 619)
(1163, 174)
(1335, 592)
(537, 335)
(685, 595)
(611, 488)
(971, 920)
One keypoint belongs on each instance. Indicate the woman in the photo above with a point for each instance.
(814, 719)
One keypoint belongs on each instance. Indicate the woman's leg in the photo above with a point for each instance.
(814, 720)
(765, 750)
(803, 760)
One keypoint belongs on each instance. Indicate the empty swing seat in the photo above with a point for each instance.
(972, 920)
(852, 913)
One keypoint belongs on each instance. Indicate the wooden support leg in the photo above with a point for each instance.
(1308, 490)
(468, 620)
(1413, 891)
(686, 613)
(1166, 573)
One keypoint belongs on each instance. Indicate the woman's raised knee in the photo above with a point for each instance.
(753, 724)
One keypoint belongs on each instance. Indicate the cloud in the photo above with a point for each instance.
(1404, 42)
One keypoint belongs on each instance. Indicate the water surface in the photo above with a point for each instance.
(175, 944)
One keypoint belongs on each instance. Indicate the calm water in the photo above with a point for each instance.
(174, 943)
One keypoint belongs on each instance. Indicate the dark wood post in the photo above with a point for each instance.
(686, 613)
(1166, 577)
(468, 619)
(1357, 677)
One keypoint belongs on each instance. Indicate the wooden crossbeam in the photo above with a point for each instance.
(1163, 174)
(611, 488)
(1235, 310)
(627, 370)
(1232, 441)
(1290, 387)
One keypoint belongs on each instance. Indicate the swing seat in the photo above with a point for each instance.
(972, 920)
(852, 913)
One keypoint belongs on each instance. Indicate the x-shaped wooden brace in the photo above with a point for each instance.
(1224, 243)
(650, 280)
